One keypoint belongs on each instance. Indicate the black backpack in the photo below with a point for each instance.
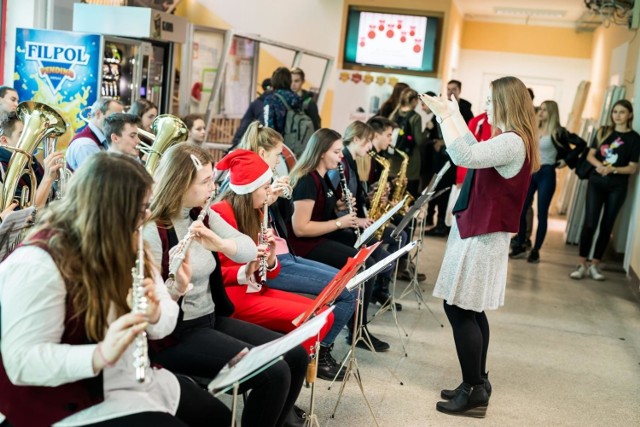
(298, 128)
(406, 141)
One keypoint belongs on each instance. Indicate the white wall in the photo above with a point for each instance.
(546, 74)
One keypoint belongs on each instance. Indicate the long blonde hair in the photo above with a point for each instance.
(512, 107)
(552, 126)
(319, 143)
(173, 177)
(259, 136)
(92, 236)
(357, 129)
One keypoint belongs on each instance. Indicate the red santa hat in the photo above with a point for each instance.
(247, 171)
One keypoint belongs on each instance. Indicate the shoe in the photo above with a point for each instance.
(579, 273)
(534, 256)
(450, 394)
(294, 419)
(378, 345)
(437, 231)
(406, 275)
(469, 401)
(382, 298)
(527, 244)
(517, 252)
(328, 368)
(594, 272)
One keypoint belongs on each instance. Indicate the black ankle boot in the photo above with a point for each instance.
(328, 368)
(381, 294)
(450, 394)
(469, 401)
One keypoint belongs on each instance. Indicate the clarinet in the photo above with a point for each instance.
(262, 240)
(183, 245)
(140, 305)
(347, 195)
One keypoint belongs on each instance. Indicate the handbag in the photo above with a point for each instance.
(583, 167)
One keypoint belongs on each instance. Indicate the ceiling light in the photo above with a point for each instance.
(546, 13)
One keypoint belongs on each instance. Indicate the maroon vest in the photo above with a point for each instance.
(35, 406)
(86, 132)
(493, 203)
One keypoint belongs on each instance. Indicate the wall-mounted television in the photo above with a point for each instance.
(391, 40)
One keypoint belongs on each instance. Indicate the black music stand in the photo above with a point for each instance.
(249, 363)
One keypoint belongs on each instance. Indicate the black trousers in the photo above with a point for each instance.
(196, 408)
(206, 344)
(608, 192)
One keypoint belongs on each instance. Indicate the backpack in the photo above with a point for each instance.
(297, 129)
(405, 142)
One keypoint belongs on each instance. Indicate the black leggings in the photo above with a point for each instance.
(471, 335)
(335, 254)
(206, 344)
(601, 192)
(196, 408)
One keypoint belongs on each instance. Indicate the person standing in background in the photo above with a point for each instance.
(309, 106)
(454, 87)
(389, 106)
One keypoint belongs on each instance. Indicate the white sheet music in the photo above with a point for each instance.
(370, 230)
(380, 265)
(259, 356)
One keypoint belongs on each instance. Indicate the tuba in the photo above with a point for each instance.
(40, 121)
(169, 130)
(64, 174)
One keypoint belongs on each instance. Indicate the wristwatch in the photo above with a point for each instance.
(339, 225)
(615, 171)
(442, 119)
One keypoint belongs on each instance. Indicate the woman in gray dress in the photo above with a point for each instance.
(474, 270)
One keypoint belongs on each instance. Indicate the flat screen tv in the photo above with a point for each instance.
(385, 40)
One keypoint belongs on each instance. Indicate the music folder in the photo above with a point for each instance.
(247, 362)
(371, 230)
(337, 284)
(380, 265)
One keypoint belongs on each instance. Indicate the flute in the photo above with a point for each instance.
(346, 193)
(140, 305)
(262, 240)
(286, 193)
(183, 245)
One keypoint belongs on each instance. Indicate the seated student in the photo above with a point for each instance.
(121, 129)
(145, 111)
(242, 207)
(67, 329)
(206, 336)
(90, 139)
(197, 128)
(11, 128)
(315, 227)
(297, 274)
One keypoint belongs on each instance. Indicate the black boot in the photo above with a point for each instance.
(378, 345)
(469, 401)
(295, 418)
(450, 394)
(381, 293)
(328, 368)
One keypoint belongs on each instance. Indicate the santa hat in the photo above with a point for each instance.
(247, 171)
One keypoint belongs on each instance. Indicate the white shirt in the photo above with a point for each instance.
(83, 148)
(32, 301)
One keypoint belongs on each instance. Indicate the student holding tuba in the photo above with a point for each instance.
(67, 353)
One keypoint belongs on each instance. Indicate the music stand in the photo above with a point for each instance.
(249, 363)
(12, 228)
(371, 230)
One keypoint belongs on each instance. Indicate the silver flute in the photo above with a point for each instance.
(140, 306)
(286, 192)
(262, 240)
(346, 193)
(183, 245)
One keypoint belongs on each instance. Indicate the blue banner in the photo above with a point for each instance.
(60, 69)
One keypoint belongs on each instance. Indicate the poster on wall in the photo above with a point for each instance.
(359, 95)
(60, 69)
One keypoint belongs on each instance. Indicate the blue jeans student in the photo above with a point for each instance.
(544, 182)
(305, 276)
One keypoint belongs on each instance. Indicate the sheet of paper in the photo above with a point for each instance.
(380, 265)
(370, 230)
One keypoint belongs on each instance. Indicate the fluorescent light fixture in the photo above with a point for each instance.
(543, 13)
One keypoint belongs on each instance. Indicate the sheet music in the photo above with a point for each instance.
(237, 370)
(12, 226)
(380, 265)
(370, 230)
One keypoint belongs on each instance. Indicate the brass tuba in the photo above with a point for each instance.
(169, 130)
(40, 121)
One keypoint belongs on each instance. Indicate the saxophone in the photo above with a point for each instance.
(401, 184)
(140, 305)
(376, 210)
(262, 240)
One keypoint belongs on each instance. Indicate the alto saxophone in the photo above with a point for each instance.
(183, 245)
(401, 184)
(140, 305)
(262, 240)
(346, 193)
(376, 210)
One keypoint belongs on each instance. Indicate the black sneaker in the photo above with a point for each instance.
(534, 256)
(518, 252)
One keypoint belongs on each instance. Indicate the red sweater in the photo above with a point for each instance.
(230, 267)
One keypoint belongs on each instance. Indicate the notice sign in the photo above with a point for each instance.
(391, 40)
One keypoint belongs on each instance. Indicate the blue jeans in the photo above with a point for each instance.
(305, 276)
(544, 182)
